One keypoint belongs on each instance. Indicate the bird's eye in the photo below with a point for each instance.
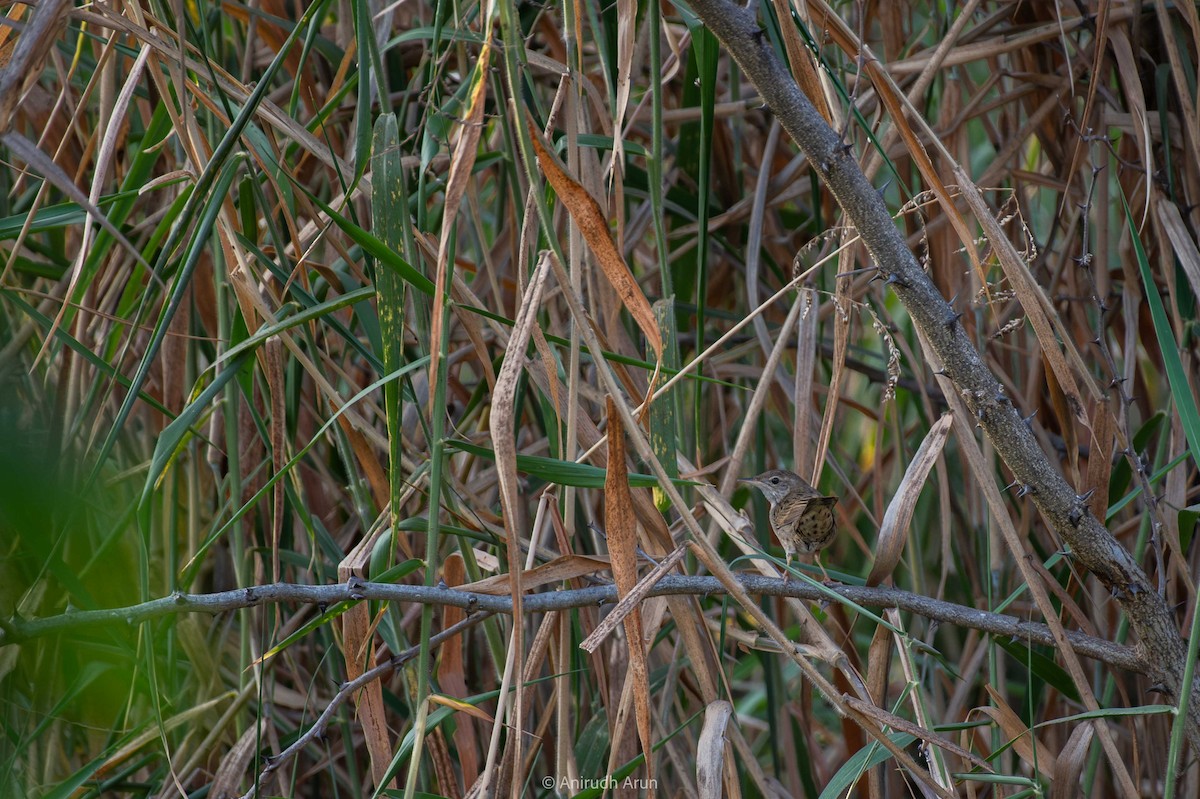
(775, 480)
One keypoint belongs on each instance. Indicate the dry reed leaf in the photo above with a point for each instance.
(711, 751)
(104, 158)
(460, 706)
(567, 567)
(799, 58)
(900, 724)
(1022, 738)
(893, 531)
(593, 225)
(999, 45)
(461, 164)
(12, 16)
(841, 342)
(631, 601)
(1182, 242)
(268, 28)
(357, 650)
(357, 632)
(626, 31)
(451, 672)
(1064, 782)
(1131, 82)
(367, 454)
(1038, 308)
(808, 344)
(233, 765)
(504, 442)
(621, 524)
(879, 662)
(1062, 411)
(32, 47)
(272, 354)
(1183, 71)
(1099, 465)
(895, 102)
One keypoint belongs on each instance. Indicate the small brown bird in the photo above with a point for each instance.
(801, 517)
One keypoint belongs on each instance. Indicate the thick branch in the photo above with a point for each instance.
(1094, 548)
(18, 630)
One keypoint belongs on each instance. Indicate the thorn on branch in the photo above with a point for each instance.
(1025, 490)
(952, 320)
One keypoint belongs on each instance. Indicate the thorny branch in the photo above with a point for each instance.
(17, 630)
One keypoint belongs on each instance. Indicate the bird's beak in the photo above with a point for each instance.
(749, 480)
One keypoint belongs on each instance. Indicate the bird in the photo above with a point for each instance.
(800, 515)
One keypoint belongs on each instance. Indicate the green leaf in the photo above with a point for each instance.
(560, 472)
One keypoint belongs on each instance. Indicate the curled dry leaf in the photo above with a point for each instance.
(622, 547)
(894, 529)
(1045, 761)
(594, 225)
(566, 567)
(1065, 782)
(710, 750)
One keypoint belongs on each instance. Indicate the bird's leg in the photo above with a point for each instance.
(827, 581)
(787, 570)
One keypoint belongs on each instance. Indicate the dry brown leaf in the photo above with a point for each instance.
(1182, 242)
(1066, 420)
(566, 567)
(895, 103)
(711, 750)
(358, 651)
(893, 531)
(451, 673)
(1064, 783)
(621, 526)
(1014, 729)
(233, 765)
(1099, 465)
(800, 60)
(504, 442)
(460, 706)
(593, 224)
(461, 164)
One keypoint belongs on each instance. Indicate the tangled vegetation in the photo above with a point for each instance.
(376, 378)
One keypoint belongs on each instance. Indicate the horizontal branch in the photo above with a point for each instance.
(16, 630)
